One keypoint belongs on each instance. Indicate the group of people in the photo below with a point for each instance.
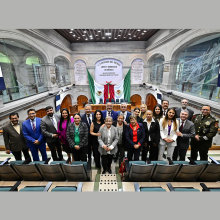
(109, 133)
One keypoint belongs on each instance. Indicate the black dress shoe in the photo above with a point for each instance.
(109, 171)
(104, 172)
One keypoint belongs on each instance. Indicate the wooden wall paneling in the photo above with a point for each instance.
(150, 102)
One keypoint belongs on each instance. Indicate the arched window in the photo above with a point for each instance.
(62, 71)
(156, 69)
(23, 74)
(32, 60)
(197, 68)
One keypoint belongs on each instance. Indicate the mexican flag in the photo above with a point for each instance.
(109, 91)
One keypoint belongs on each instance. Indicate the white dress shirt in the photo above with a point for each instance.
(125, 114)
(90, 116)
(31, 121)
(55, 121)
(148, 126)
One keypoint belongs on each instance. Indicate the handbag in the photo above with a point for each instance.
(122, 170)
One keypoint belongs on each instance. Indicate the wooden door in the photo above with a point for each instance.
(66, 103)
(136, 100)
(82, 99)
(150, 102)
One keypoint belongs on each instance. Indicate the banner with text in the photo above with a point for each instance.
(107, 70)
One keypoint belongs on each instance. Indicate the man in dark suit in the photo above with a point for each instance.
(165, 106)
(32, 133)
(109, 111)
(186, 131)
(88, 118)
(14, 139)
(125, 113)
(49, 125)
(184, 104)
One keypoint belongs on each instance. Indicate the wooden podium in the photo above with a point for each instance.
(116, 107)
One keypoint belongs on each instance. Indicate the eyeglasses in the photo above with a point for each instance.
(205, 110)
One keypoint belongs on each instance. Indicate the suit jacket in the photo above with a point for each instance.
(48, 129)
(190, 115)
(123, 133)
(103, 140)
(127, 117)
(83, 134)
(13, 141)
(154, 132)
(113, 115)
(164, 133)
(31, 135)
(140, 136)
(188, 132)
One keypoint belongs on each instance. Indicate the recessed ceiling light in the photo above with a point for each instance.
(84, 31)
(119, 35)
(74, 35)
(71, 29)
(134, 36)
(129, 33)
(84, 35)
(90, 36)
(145, 31)
(103, 38)
(107, 34)
(99, 31)
(86, 39)
(129, 37)
(124, 37)
(142, 33)
(109, 37)
(115, 37)
(120, 30)
(71, 32)
(78, 37)
(96, 35)
(138, 30)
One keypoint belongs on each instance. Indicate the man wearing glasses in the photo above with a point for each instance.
(206, 128)
(184, 104)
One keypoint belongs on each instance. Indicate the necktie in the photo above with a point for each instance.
(164, 112)
(33, 125)
(181, 127)
(53, 123)
(109, 113)
(89, 120)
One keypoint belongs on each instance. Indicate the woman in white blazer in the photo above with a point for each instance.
(168, 128)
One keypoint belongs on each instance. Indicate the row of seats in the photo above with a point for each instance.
(41, 170)
(175, 189)
(180, 171)
(112, 101)
(14, 188)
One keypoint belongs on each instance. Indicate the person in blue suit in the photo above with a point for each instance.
(88, 118)
(125, 113)
(109, 111)
(32, 133)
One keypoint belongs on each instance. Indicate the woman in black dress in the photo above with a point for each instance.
(98, 121)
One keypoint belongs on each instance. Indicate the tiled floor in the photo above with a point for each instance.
(3, 156)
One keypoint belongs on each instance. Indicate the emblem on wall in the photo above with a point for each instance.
(99, 93)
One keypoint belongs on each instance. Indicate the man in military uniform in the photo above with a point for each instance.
(206, 128)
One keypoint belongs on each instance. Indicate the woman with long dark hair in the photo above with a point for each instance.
(168, 128)
(158, 112)
(97, 122)
(62, 128)
(77, 137)
(137, 113)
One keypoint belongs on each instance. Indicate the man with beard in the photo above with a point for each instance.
(49, 125)
(165, 106)
(184, 104)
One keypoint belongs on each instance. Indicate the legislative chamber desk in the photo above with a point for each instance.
(116, 107)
